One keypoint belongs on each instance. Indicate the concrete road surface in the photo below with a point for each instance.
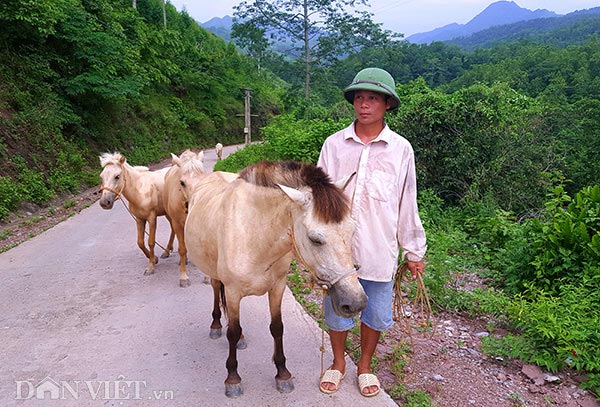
(81, 325)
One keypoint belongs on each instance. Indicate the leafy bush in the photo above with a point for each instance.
(479, 141)
(246, 156)
(10, 196)
(561, 248)
(32, 183)
(299, 139)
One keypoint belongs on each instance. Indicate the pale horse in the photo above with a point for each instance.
(244, 231)
(175, 202)
(143, 190)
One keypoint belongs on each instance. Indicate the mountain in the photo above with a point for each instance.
(220, 26)
(570, 29)
(498, 13)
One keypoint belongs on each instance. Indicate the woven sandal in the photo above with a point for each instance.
(367, 380)
(331, 376)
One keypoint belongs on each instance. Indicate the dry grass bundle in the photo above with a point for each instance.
(412, 308)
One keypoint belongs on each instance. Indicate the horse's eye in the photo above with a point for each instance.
(117, 177)
(315, 238)
(182, 184)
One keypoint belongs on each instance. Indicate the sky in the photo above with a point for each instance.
(402, 16)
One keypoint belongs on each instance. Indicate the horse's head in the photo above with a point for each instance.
(112, 178)
(322, 235)
(191, 171)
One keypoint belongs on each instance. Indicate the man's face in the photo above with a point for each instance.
(369, 106)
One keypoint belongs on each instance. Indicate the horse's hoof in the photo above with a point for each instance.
(148, 272)
(242, 344)
(165, 255)
(184, 283)
(215, 333)
(233, 390)
(285, 386)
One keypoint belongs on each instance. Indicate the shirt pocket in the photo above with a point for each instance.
(381, 185)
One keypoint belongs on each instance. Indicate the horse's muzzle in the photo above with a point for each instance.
(106, 203)
(348, 297)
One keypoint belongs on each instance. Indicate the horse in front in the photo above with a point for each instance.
(244, 230)
(143, 190)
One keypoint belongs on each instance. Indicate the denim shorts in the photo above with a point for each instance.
(378, 313)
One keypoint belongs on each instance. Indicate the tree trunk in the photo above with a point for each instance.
(134, 3)
(164, 14)
(306, 53)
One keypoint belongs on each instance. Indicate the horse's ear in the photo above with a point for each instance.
(121, 159)
(175, 160)
(302, 198)
(343, 183)
(201, 156)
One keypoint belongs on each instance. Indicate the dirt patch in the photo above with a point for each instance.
(445, 362)
(31, 220)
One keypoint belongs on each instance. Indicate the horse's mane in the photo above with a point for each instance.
(330, 203)
(110, 158)
(115, 159)
(193, 165)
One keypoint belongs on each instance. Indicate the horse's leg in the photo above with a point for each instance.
(184, 280)
(233, 383)
(151, 242)
(216, 327)
(141, 232)
(283, 378)
(167, 252)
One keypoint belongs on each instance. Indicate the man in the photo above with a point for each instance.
(383, 195)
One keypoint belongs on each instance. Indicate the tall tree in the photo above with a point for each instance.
(317, 31)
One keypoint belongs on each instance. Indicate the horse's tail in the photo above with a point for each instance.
(223, 300)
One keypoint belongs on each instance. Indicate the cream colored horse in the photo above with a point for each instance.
(244, 230)
(175, 203)
(219, 151)
(143, 190)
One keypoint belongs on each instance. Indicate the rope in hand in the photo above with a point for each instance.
(403, 309)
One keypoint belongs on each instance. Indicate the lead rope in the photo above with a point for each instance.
(323, 290)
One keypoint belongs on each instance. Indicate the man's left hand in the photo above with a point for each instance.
(416, 268)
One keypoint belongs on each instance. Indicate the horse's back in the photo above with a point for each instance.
(235, 228)
(204, 223)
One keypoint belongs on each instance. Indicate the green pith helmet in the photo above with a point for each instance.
(376, 80)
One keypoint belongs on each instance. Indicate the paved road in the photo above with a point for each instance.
(80, 322)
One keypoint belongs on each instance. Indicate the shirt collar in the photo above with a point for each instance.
(383, 136)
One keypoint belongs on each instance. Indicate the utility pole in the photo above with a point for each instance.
(247, 117)
(247, 120)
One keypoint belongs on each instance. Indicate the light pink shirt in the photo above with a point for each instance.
(383, 195)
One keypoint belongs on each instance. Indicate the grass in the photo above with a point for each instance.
(5, 233)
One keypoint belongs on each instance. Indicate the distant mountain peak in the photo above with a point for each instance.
(219, 22)
(498, 13)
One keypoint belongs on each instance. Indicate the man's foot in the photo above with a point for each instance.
(330, 382)
(368, 384)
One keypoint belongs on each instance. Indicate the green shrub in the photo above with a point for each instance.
(299, 139)
(246, 156)
(10, 196)
(32, 182)
(562, 247)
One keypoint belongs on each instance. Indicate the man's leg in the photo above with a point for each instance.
(338, 347)
(368, 343)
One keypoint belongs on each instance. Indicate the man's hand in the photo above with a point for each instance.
(416, 268)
